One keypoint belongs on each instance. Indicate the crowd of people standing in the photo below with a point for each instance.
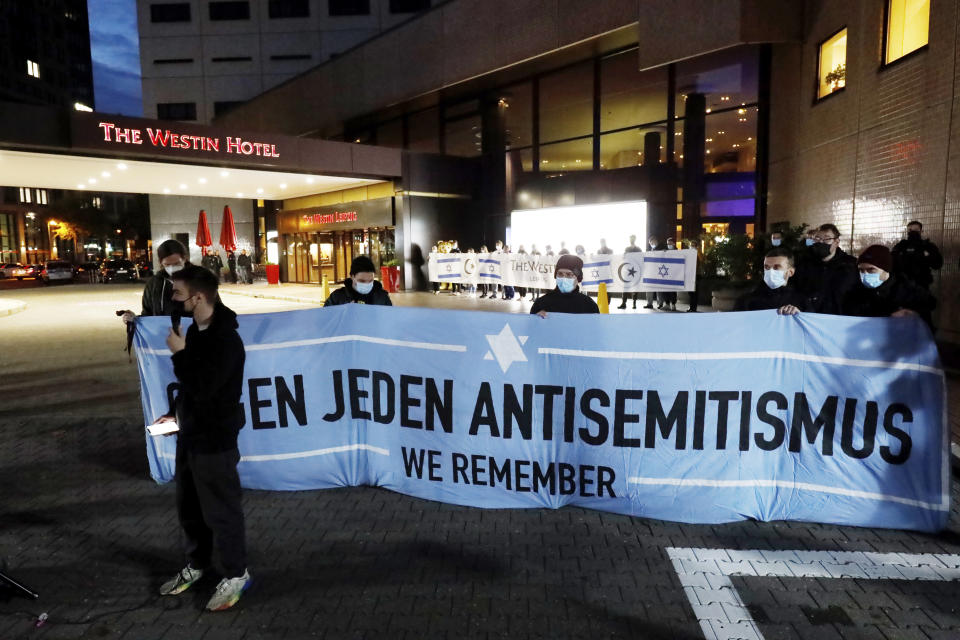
(239, 268)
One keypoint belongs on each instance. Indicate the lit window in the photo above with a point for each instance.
(96, 202)
(25, 195)
(908, 27)
(41, 196)
(33, 69)
(79, 106)
(833, 64)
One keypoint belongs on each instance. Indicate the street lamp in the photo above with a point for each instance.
(51, 225)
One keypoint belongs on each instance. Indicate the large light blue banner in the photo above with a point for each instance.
(695, 418)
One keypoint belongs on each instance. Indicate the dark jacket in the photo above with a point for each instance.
(557, 302)
(232, 262)
(892, 295)
(763, 297)
(909, 260)
(825, 283)
(210, 373)
(157, 295)
(243, 260)
(347, 294)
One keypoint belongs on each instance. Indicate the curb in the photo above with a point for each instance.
(16, 307)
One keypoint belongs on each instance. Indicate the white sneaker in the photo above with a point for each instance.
(228, 592)
(181, 582)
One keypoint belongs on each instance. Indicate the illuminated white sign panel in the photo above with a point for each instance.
(584, 224)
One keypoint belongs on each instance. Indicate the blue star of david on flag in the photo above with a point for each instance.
(449, 268)
(663, 271)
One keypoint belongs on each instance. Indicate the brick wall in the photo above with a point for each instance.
(880, 153)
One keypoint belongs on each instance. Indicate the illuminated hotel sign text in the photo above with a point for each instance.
(165, 138)
(329, 218)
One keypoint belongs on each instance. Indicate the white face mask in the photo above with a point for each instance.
(671, 246)
(363, 288)
(566, 285)
(774, 279)
(172, 269)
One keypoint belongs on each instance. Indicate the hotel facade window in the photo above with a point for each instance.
(288, 9)
(832, 66)
(907, 28)
(231, 10)
(177, 111)
(408, 6)
(338, 8)
(170, 12)
(33, 69)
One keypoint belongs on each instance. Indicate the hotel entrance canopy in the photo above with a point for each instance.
(59, 149)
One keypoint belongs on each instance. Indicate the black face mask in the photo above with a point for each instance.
(179, 310)
(913, 236)
(820, 249)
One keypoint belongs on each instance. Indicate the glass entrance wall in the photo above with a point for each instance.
(313, 256)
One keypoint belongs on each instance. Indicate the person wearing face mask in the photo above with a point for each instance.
(776, 239)
(668, 299)
(826, 273)
(208, 361)
(810, 237)
(360, 287)
(653, 244)
(158, 292)
(775, 291)
(566, 297)
(916, 258)
(880, 293)
(632, 248)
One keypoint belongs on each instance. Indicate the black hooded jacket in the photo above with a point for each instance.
(825, 283)
(158, 295)
(763, 297)
(893, 294)
(210, 373)
(347, 294)
(557, 302)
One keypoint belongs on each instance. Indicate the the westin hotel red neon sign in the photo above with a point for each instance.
(327, 218)
(165, 138)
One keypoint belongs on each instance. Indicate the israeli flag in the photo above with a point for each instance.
(489, 268)
(664, 270)
(596, 269)
(449, 268)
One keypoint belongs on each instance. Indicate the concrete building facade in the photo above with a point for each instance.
(200, 58)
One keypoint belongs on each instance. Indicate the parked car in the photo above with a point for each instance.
(118, 270)
(57, 271)
(32, 270)
(12, 270)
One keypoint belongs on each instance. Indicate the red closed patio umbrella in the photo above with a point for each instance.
(228, 233)
(203, 233)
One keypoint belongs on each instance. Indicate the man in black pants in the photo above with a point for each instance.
(208, 362)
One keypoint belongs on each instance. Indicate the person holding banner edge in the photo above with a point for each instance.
(775, 291)
(566, 297)
(208, 364)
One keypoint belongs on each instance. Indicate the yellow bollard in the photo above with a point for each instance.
(326, 288)
(602, 301)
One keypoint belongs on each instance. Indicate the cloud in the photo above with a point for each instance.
(115, 52)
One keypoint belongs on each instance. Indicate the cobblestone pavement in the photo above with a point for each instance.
(82, 523)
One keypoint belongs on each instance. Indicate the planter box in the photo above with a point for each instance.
(390, 277)
(273, 273)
